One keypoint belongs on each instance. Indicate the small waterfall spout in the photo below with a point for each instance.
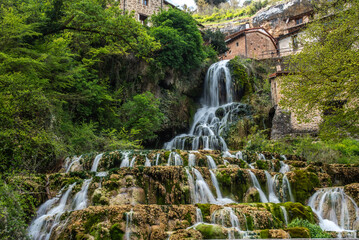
(129, 216)
(80, 200)
(285, 215)
(228, 219)
(148, 162)
(174, 159)
(191, 160)
(286, 186)
(199, 216)
(96, 162)
(258, 187)
(271, 188)
(126, 160)
(69, 164)
(336, 211)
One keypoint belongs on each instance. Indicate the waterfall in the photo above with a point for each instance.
(283, 157)
(192, 187)
(286, 185)
(199, 216)
(96, 162)
(203, 193)
(157, 158)
(217, 111)
(80, 200)
(239, 155)
(228, 219)
(191, 160)
(271, 191)
(174, 159)
(132, 164)
(261, 156)
(215, 184)
(284, 168)
(126, 160)
(148, 162)
(285, 215)
(258, 187)
(74, 160)
(128, 232)
(336, 210)
(211, 163)
(48, 216)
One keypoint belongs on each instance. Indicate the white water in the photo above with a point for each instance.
(80, 200)
(125, 160)
(74, 160)
(261, 156)
(49, 215)
(211, 163)
(132, 164)
(191, 160)
(215, 184)
(286, 185)
(272, 197)
(199, 216)
(284, 168)
(96, 162)
(228, 219)
(128, 232)
(285, 214)
(336, 210)
(174, 159)
(256, 184)
(148, 162)
(203, 193)
(157, 158)
(216, 113)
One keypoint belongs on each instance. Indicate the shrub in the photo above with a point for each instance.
(315, 230)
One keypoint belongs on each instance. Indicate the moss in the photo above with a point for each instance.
(298, 232)
(188, 217)
(167, 154)
(91, 220)
(303, 184)
(297, 210)
(264, 234)
(116, 232)
(262, 164)
(211, 231)
(250, 223)
(205, 209)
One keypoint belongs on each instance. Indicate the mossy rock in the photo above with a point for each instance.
(264, 234)
(297, 210)
(303, 184)
(262, 164)
(298, 232)
(205, 209)
(116, 232)
(209, 231)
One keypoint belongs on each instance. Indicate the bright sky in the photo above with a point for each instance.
(190, 3)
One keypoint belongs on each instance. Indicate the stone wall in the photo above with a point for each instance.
(251, 44)
(285, 122)
(144, 7)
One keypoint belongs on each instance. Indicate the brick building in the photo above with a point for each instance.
(254, 43)
(145, 8)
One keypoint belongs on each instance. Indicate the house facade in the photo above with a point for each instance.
(254, 43)
(145, 8)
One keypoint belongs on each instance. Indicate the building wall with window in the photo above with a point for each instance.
(144, 8)
(251, 43)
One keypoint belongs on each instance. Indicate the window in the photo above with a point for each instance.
(299, 21)
(145, 2)
(333, 106)
(142, 18)
(237, 44)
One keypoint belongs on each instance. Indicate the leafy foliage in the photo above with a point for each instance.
(216, 39)
(142, 114)
(325, 78)
(180, 39)
(315, 230)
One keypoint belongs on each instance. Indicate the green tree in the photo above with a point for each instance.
(213, 2)
(325, 75)
(142, 114)
(216, 39)
(182, 44)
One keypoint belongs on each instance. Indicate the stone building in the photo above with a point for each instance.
(254, 43)
(145, 8)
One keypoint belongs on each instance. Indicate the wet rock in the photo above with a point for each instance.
(353, 191)
(298, 232)
(189, 234)
(157, 232)
(212, 231)
(252, 195)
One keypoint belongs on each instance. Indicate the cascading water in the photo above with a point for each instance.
(129, 216)
(287, 190)
(217, 111)
(256, 184)
(69, 164)
(80, 200)
(174, 159)
(336, 211)
(285, 214)
(96, 162)
(271, 188)
(228, 219)
(48, 216)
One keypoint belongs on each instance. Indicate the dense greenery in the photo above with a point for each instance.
(216, 39)
(182, 43)
(314, 230)
(326, 71)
